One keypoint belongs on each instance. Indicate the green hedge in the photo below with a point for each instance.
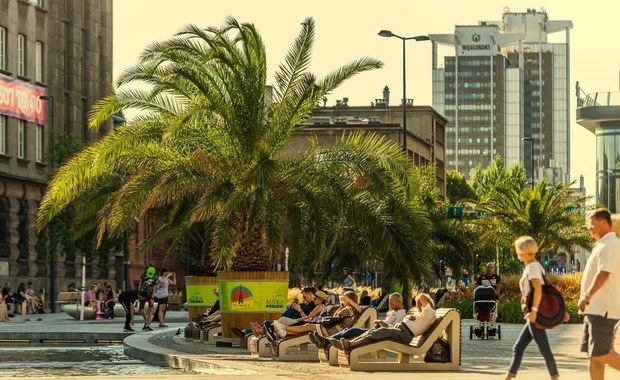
(509, 310)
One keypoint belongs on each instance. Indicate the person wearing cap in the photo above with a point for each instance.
(147, 284)
(396, 314)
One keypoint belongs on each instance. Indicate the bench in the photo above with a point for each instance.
(68, 297)
(300, 348)
(409, 357)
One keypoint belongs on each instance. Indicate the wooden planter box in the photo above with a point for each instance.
(235, 316)
(198, 280)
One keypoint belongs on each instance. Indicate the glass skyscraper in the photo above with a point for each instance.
(506, 91)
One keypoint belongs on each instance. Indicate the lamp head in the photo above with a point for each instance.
(386, 33)
(421, 38)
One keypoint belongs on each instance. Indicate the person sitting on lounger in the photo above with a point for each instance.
(396, 314)
(311, 307)
(409, 327)
(348, 311)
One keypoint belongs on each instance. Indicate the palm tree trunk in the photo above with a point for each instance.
(252, 251)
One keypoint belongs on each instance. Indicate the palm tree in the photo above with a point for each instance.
(206, 157)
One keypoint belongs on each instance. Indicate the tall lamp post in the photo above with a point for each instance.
(50, 100)
(531, 141)
(387, 33)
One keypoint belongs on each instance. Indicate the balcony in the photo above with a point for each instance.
(598, 109)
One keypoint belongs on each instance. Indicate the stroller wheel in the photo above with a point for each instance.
(499, 332)
(471, 332)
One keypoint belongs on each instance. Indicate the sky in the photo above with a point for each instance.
(347, 29)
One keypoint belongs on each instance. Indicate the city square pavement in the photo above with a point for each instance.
(481, 359)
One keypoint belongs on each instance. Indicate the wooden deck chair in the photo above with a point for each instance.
(330, 354)
(409, 357)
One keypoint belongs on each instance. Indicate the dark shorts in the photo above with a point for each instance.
(161, 300)
(598, 334)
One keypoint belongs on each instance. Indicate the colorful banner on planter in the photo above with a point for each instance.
(21, 100)
(201, 294)
(253, 295)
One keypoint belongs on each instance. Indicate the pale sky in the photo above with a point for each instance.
(347, 29)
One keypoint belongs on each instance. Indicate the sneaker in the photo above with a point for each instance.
(100, 318)
(163, 325)
(148, 328)
(11, 315)
(240, 333)
(144, 327)
(346, 345)
(280, 329)
(128, 329)
(313, 339)
(336, 343)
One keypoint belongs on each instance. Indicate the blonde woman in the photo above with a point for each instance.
(533, 273)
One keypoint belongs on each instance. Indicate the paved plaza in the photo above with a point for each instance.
(481, 359)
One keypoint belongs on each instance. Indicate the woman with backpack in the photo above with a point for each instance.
(532, 277)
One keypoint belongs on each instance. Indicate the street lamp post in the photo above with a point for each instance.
(50, 99)
(531, 140)
(387, 33)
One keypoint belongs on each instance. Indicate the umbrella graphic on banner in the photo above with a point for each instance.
(240, 293)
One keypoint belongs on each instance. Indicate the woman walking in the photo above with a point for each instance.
(533, 273)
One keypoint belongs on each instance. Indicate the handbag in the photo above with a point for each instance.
(331, 321)
(552, 310)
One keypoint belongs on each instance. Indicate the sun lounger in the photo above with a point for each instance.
(409, 357)
(299, 347)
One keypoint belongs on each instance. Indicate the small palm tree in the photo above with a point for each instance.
(206, 157)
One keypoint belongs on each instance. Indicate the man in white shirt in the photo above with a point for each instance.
(599, 301)
(396, 314)
(409, 327)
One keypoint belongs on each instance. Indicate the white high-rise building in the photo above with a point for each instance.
(506, 91)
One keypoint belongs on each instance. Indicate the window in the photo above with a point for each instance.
(21, 139)
(39, 144)
(3, 121)
(38, 61)
(2, 48)
(21, 55)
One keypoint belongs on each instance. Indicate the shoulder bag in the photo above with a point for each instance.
(552, 310)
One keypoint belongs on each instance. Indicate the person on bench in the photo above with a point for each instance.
(410, 327)
(396, 314)
(348, 312)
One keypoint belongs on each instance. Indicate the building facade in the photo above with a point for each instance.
(599, 113)
(506, 91)
(425, 128)
(55, 63)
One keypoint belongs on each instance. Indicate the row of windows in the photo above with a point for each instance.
(22, 55)
(21, 139)
(470, 107)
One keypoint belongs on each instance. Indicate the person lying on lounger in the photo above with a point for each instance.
(396, 314)
(409, 327)
(347, 314)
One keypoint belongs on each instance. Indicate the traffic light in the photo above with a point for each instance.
(546, 260)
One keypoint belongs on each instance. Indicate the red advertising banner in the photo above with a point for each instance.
(21, 100)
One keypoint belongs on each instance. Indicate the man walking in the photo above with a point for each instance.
(599, 301)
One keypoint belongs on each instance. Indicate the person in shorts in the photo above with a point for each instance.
(164, 281)
(599, 301)
(147, 284)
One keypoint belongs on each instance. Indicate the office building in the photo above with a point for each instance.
(61, 51)
(599, 113)
(505, 90)
(425, 128)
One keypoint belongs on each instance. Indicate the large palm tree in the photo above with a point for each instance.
(206, 157)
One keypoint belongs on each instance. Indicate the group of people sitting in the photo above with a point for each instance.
(311, 317)
(101, 300)
(25, 297)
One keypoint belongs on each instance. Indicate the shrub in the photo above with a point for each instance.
(510, 298)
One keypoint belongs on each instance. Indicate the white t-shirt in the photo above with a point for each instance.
(422, 322)
(532, 270)
(395, 316)
(161, 291)
(605, 257)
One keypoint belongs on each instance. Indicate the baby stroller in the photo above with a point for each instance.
(485, 313)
